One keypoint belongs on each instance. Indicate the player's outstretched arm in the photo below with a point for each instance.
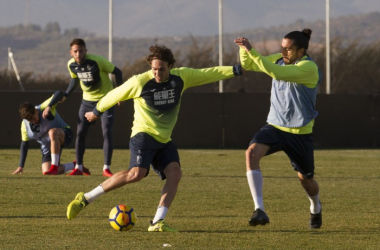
(56, 98)
(23, 153)
(72, 85)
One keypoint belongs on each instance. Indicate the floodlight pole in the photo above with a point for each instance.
(110, 32)
(110, 24)
(328, 67)
(10, 56)
(9, 61)
(221, 63)
(220, 41)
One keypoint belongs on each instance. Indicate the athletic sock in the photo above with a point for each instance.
(160, 214)
(95, 193)
(80, 167)
(55, 159)
(68, 166)
(255, 182)
(106, 167)
(315, 205)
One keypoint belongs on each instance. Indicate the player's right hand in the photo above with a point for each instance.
(18, 170)
(62, 100)
(90, 116)
(46, 112)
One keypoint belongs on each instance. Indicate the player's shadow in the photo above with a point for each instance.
(31, 217)
(308, 232)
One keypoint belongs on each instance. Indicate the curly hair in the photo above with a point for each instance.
(26, 110)
(162, 53)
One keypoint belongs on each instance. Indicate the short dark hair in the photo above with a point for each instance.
(26, 110)
(162, 53)
(77, 41)
(300, 38)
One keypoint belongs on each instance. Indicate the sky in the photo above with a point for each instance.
(158, 18)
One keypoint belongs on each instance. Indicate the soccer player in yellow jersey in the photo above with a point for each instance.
(50, 131)
(290, 120)
(91, 72)
(157, 97)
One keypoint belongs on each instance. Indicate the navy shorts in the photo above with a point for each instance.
(68, 139)
(146, 151)
(298, 147)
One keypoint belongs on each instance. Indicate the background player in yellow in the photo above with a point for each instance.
(49, 130)
(290, 119)
(157, 96)
(91, 71)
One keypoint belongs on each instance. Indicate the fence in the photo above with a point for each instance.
(212, 120)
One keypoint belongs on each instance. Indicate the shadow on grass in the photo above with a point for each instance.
(292, 231)
(58, 216)
(31, 217)
(256, 231)
(197, 175)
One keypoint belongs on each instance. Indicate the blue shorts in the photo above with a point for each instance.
(299, 148)
(68, 139)
(146, 151)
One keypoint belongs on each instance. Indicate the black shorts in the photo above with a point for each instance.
(68, 139)
(299, 148)
(146, 151)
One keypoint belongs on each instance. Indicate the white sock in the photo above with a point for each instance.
(68, 166)
(55, 159)
(95, 193)
(255, 182)
(160, 214)
(80, 167)
(106, 167)
(315, 205)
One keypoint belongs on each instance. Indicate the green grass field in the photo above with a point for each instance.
(211, 209)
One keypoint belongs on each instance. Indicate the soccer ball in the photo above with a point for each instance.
(122, 218)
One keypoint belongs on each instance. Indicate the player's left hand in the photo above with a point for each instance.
(244, 43)
(18, 170)
(90, 116)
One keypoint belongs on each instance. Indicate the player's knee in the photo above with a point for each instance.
(305, 181)
(52, 132)
(55, 133)
(136, 174)
(255, 152)
(306, 178)
(81, 134)
(174, 173)
(250, 153)
(178, 173)
(107, 133)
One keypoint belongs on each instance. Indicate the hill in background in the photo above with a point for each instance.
(46, 50)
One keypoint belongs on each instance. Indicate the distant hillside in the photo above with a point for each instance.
(46, 50)
(360, 27)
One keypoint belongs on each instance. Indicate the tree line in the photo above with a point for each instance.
(354, 70)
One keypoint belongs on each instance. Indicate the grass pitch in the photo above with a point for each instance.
(211, 209)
